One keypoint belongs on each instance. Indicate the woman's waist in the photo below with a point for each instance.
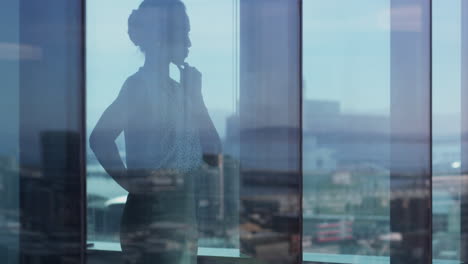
(157, 181)
(163, 162)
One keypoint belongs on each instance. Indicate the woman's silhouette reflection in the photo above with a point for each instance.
(168, 134)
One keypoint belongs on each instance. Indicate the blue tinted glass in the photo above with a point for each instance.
(195, 147)
(366, 131)
(464, 128)
(446, 133)
(41, 216)
(193, 126)
(170, 127)
(346, 129)
(9, 132)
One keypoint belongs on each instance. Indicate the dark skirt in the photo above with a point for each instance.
(161, 227)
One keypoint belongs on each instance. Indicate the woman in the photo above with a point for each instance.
(168, 134)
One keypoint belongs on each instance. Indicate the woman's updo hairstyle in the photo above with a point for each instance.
(143, 19)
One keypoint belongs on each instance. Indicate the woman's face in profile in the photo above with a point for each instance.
(171, 34)
(179, 48)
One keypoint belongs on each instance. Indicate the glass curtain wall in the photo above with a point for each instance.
(447, 182)
(193, 112)
(51, 104)
(347, 129)
(270, 130)
(41, 102)
(115, 58)
(464, 128)
(9, 132)
(366, 131)
(266, 131)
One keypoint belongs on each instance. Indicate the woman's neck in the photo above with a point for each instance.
(156, 65)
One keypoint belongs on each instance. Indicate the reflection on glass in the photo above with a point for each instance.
(463, 250)
(40, 132)
(346, 128)
(366, 149)
(269, 121)
(9, 132)
(155, 136)
(168, 135)
(160, 139)
(446, 137)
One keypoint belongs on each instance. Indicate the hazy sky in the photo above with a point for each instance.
(346, 53)
(111, 57)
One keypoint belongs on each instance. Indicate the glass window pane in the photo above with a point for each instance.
(191, 123)
(366, 143)
(446, 137)
(41, 73)
(9, 131)
(207, 128)
(464, 128)
(346, 128)
(270, 128)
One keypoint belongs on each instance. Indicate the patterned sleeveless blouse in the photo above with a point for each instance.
(162, 128)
